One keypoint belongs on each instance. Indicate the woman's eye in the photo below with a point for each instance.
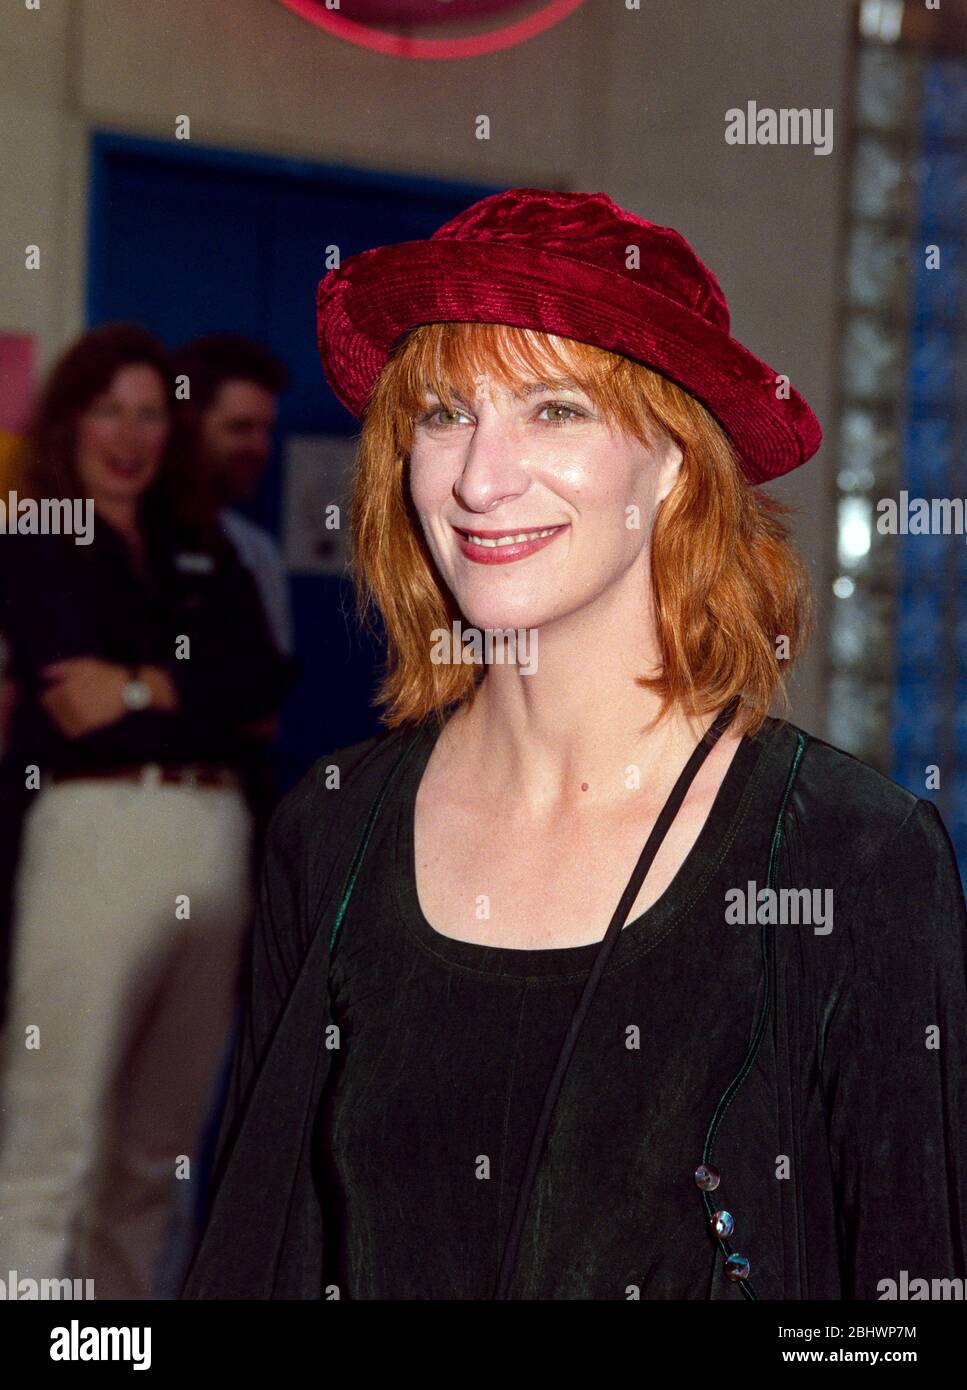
(432, 420)
(562, 405)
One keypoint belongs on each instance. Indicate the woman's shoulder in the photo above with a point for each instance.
(339, 785)
(845, 780)
(27, 548)
(315, 827)
(43, 567)
(849, 814)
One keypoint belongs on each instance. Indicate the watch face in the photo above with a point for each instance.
(136, 695)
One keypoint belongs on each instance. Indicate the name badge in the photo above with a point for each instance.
(188, 562)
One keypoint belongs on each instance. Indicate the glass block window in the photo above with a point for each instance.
(898, 637)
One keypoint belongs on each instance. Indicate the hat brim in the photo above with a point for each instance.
(366, 304)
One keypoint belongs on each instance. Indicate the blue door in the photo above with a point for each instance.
(189, 241)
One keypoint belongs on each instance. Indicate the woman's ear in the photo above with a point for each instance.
(668, 470)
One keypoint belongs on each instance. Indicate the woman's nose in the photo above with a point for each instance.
(494, 465)
(127, 434)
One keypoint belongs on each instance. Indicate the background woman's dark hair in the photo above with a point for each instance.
(210, 361)
(178, 498)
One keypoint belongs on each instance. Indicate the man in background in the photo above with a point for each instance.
(233, 389)
(234, 384)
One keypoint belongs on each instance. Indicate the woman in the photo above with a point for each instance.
(140, 653)
(734, 1091)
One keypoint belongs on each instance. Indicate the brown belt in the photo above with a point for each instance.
(181, 774)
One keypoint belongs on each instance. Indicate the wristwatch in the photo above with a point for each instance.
(136, 693)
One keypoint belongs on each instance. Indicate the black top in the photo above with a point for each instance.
(59, 599)
(380, 1158)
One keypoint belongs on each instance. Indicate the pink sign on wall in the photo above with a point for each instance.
(17, 366)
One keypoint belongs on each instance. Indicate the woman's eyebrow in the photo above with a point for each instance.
(522, 392)
(533, 388)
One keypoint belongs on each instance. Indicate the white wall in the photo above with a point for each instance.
(631, 102)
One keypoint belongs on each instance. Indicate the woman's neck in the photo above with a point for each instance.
(124, 516)
(546, 755)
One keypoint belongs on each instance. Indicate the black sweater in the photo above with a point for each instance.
(60, 600)
(349, 1161)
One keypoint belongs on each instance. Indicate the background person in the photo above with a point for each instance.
(235, 383)
(139, 661)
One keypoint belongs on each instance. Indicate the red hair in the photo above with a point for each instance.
(732, 601)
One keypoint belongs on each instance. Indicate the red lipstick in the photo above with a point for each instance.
(509, 551)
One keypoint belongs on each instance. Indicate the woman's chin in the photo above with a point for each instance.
(117, 491)
(485, 620)
(523, 612)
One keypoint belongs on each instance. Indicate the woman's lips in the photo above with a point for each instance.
(124, 470)
(507, 551)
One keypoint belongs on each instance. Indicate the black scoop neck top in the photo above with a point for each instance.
(636, 936)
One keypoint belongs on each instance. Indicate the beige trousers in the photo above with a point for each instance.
(131, 908)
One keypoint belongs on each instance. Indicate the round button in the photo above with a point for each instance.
(722, 1223)
(736, 1267)
(707, 1177)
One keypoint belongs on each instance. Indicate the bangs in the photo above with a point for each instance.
(448, 358)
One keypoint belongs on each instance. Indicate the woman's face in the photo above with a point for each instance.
(544, 461)
(122, 434)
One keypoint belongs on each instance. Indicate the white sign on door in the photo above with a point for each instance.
(318, 475)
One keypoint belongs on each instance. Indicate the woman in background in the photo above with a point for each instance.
(139, 653)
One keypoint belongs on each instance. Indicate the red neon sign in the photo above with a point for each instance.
(400, 46)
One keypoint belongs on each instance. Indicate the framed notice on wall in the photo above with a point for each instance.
(318, 471)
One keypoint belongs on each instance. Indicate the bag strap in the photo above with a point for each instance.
(659, 831)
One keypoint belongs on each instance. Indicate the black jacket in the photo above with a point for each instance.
(844, 1084)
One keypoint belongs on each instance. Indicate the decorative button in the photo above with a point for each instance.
(722, 1223)
(707, 1177)
(736, 1267)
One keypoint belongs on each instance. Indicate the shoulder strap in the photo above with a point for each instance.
(665, 818)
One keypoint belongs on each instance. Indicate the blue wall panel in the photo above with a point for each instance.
(189, 240)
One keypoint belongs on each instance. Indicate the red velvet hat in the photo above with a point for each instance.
(557, 263)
